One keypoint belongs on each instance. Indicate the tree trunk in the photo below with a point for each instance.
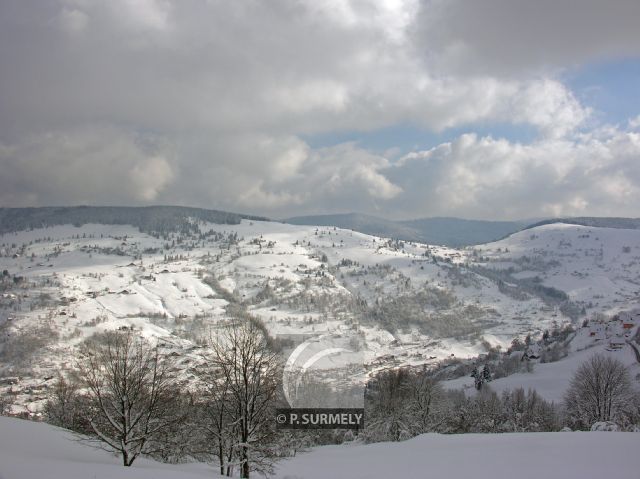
(245, 462)
(221, 456)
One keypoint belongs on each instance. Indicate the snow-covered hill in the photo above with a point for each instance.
(597, 266)
(570, 455)
(398, 303)
(30, 450)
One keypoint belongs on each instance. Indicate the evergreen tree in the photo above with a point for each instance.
(486, 373)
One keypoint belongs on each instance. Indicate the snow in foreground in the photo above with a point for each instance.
(31, 450)
(564, 455)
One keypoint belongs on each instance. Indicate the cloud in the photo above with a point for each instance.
(73, 21)
(591, 174)
(274, 67)
(207, 103)
(550, 106)
(513, 38)
(278, 176)
(84, 166)
(149, 177)
(634, 123)
(143, 14)
(257, 173)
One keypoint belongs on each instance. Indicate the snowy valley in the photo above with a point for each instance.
(397, 303)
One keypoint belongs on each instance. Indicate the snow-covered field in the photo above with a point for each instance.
(31, 450)
(300, 280)
(480, 456)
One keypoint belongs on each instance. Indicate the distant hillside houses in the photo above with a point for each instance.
(616, 329)
(533, 351)
(598, 331)
(629, 319)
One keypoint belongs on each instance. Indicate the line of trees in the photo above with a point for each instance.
(403, 403)
(127, 395)
(131, 397)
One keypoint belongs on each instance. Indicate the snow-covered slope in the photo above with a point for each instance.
(399, 303)
(596, 266)
(572, 455)
(30, 450)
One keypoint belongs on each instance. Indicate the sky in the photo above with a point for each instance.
(501, 109)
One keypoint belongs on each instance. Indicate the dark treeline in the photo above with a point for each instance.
(403, 403)
(148, 219)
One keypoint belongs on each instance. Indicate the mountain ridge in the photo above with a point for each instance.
(449, 231)
(156, 218)
(441, 230)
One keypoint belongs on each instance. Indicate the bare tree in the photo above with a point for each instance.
(528, 412)
(387, 407)
(214, 417)
(487, 411)
(4, 404)
(425, 400)
(600, 391)
(130, 391)
(250, 371)
(64, 406)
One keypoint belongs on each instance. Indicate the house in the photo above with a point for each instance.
(597, 331)
(616, 343)
(532, 351)
(9, 381)
(629, 319)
